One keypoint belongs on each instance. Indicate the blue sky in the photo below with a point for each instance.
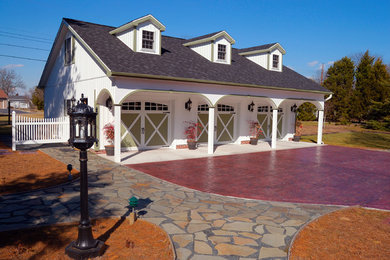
(312, 32)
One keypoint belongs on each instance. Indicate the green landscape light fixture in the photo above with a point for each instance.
(133, 202)
(82, 136)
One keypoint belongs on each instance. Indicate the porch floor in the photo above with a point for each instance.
(168, 154)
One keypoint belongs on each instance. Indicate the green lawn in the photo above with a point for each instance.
(354, 139)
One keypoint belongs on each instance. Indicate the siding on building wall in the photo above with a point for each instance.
(67, 81)
(203, 49)
(260, 59)
(127, 37)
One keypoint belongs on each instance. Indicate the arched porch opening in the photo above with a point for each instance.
(152, 119)
(307, 110)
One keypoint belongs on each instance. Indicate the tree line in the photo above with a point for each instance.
(11, 83)
(361, 93)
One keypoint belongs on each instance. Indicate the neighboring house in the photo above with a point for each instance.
(150, 84)
(19, 101)
(3, 99)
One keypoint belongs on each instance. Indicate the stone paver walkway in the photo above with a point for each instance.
(201, 225)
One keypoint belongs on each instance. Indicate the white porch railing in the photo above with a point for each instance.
(27, 130)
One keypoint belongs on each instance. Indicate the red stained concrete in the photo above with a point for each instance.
(320, 175)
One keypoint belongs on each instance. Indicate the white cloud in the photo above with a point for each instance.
(10, 66)
(313, 63)
(330, 63)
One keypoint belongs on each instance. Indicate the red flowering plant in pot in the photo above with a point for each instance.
(298, 131)
(109, 133)
(254, 132)
(192, 132)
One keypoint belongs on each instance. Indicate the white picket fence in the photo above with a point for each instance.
(27, 130)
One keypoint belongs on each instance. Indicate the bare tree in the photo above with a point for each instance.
(10, 82)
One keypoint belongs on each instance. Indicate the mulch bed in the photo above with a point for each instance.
(352, 233)
(142, 240)
(28, 170)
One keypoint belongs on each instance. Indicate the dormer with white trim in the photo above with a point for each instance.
(216, 47)
(268, 56)
(141, 35)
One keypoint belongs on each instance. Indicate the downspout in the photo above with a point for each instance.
(328, 98)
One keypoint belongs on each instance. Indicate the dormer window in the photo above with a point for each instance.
(147, 40)
(275, 61)
(221, 52)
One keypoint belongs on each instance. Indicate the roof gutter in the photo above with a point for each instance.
(136, 75)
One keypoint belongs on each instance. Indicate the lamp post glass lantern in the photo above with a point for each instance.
(83, 136)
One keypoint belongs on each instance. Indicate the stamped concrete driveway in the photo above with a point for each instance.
(318, 175)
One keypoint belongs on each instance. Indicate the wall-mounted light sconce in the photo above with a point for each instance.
(294, 108)
(251, 106)
(109, 103)
(188, 105)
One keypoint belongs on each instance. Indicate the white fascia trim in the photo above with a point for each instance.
(89, 49)
(212, 38)
(136, 22)
(277, 45)
(49, 61)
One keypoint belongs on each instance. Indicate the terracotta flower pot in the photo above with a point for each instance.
(191, 145)
(253, 141)
(297, 138)
(109, 150)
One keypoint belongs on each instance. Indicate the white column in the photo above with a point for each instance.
(117, 134)
(13, 131)
(210, 146)
(100, 125)
(274, 127)
(320, 126)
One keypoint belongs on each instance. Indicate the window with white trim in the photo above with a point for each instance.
(225, 108)
(131, 106)
(203, 107)
(221, 52)
(67, 106)
(68, 51)
(155, 107)
(147, 39)
(275, 61)
(262, 109)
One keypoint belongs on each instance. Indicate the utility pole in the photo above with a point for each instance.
(322, 74)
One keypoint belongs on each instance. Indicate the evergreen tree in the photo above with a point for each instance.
(37, 98)
(339, 80)
(363, 91)
(381, 82)
(379, 115)
(372, 85)
(307, 112)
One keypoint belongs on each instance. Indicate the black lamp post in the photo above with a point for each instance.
(83, 136)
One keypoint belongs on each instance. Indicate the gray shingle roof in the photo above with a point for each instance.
(257, 48)
(201, 37)
(179, 61)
